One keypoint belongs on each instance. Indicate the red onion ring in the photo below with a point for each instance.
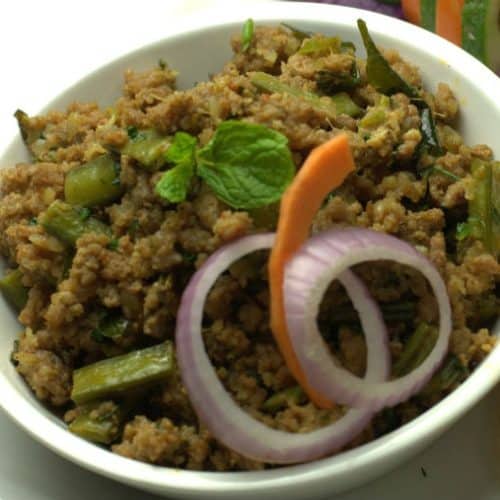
(324, 258)
(215, 407)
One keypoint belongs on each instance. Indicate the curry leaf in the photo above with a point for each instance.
(387, 81)
(379, 71)
(246, 165)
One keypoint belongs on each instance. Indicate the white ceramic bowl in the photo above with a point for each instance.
(199, 47)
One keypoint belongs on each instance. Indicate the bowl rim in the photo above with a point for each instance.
(27, 415)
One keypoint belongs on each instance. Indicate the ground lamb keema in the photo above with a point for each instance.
(128, 279)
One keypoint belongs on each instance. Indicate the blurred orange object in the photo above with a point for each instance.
(449, 20)
(411, 11)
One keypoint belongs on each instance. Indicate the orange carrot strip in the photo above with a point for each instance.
(411, 11)
(449, 20)
(325, 169)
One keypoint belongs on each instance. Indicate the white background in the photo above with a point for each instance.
(44, 47)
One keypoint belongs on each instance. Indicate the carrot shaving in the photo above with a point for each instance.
(411, 11)
(449, 20)
(325, 169)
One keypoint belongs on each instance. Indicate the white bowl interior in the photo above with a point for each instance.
(200, 47)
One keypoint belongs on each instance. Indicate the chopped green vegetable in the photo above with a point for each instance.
(13, 290)
(147, 147)
(247, 34)
(376, 115)
(174, 184)
(484, 206)
(282, 399)
(66, 223)
(333, 106)
(94, 183)
(417, 348)
(452, 373)
(97, 426)
(118, 375)
(247, 165)
(320, 46)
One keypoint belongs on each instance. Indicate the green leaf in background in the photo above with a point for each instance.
(481, 31)
(174, 184)
(246, 165)
(428, 14)
(247, 34)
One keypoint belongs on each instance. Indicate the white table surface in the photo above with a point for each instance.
(44, 47)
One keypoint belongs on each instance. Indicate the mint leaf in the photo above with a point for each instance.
(182, 149)
(246, 165)
(247, 34)
(174, 184)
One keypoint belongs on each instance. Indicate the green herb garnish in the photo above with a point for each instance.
(174, 184)
(246, 165)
